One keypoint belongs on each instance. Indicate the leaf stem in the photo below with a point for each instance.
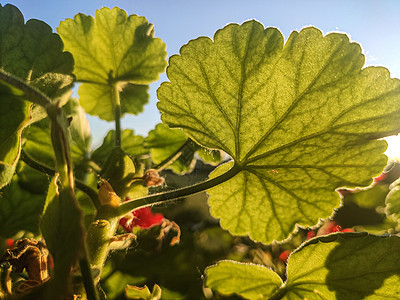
(32, 94)
(279, 293)
(94, 196)
(117, 102)
(87, 278)
(159, 198)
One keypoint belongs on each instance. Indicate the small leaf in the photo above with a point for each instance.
(299, 121)
(79, 128)
(134, 292)
(337, 266)
(113, 48)
(132, 145)
(164, 142)
(247, 280)
(393, 203)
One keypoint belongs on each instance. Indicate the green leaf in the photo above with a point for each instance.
(20, 209)
(299, 120)
(133, 292)
(96, 99)
(113, 48)
(32, 53)
(164, 142)
(132, 145)
(248, 280)
(11, 125)
(79, 128)
(62, 230)
(337, 266)
(393, 203)
(363, 208)
(38, 144)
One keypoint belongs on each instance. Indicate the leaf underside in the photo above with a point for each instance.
(338, 266)
(113, 48)
(299, 121)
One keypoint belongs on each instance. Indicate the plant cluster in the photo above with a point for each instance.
(283, 139)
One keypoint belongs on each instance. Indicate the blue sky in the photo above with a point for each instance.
(373, 24)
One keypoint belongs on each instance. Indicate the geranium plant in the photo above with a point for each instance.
(292, 132)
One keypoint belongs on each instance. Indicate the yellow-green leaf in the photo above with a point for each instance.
(113, 48)
(299, 121)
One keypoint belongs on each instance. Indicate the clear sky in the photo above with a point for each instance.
(373, 24)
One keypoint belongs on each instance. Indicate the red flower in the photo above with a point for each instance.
(284, 256)
(9, 243)
(142, 218)
(380, 178)
(311, 234)
(331, 227)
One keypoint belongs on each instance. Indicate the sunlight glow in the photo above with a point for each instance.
(393, 150)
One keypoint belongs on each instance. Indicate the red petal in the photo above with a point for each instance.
(380, 177)
(284, 255)
(310, 234)
(144, 218)
(9, 243)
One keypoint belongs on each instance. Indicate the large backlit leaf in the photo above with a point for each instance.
(338, 266)
(32, 53)
(299, 120)
(113, 48)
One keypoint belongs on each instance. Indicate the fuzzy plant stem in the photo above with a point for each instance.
(117, 106)
(126, 207)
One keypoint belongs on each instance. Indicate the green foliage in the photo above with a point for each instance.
(132, 145)
(113, 49)
(247, 280)
(33, 54)
(299, 120)
(61, 228)
(20, 209)
(166, 144)
(133, 292)
(320, 268)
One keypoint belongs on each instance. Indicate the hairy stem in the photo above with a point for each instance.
(90, 288)
(29, 92)
(159, 198)
(117, 103)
